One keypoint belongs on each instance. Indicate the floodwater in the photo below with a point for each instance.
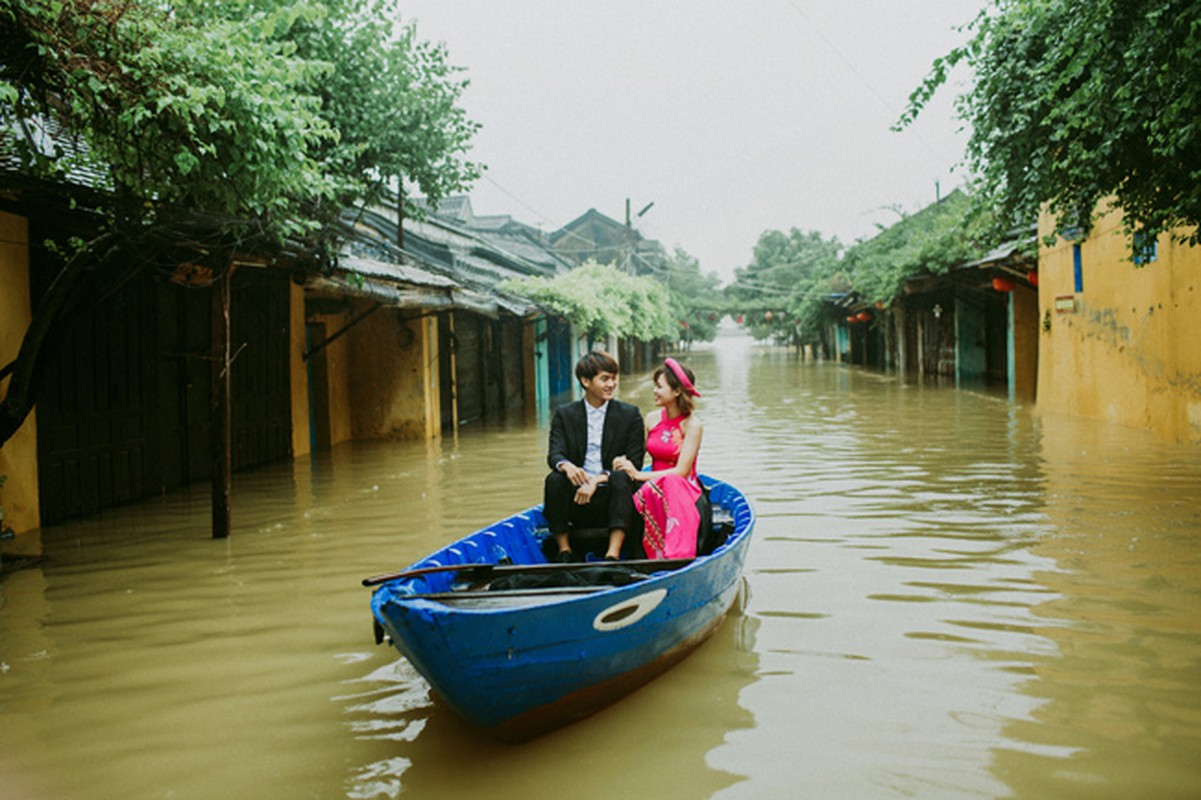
(947, 597)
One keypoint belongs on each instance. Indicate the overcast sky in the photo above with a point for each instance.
(731, 117)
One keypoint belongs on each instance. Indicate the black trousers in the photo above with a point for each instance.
(612, 504)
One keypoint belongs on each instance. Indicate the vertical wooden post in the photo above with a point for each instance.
(454, 376)
(220, 420)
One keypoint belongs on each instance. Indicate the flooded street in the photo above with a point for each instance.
(946, 597)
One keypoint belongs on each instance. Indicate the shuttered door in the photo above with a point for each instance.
(260, 388)
(124, 410)
(96, 447)
(469, 373)
(512, 360)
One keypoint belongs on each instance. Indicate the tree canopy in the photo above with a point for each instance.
(781, 293)
(282, 112)
(604, 301)
(1077, 102)
(193, 129)
(696, 301)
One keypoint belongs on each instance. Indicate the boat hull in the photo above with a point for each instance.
(520, 670)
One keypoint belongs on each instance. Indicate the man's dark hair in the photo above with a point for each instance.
(593, 363)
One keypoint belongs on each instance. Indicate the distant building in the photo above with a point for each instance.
(596, 237)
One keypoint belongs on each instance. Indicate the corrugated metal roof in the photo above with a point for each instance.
(400, 273)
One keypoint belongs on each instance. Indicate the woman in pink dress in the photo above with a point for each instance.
(667, 498)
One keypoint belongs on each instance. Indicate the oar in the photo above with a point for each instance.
(501, 594)
(641, 564)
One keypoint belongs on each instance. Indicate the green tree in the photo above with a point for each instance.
(696, 300)
(603, 301)
(210, 128)
(1076, 102)
(779, 294)
(391, 97)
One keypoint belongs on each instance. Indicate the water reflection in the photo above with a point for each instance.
(1119, 710)
(948, 597)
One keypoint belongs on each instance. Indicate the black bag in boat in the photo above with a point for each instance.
(586, 575)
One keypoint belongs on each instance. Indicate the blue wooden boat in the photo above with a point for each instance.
(518, 660)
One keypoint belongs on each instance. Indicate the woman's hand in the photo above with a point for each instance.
(623, 464)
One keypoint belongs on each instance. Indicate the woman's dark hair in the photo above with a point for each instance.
(684, 400)
(593, 363)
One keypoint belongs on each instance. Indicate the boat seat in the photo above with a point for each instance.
(594, 541)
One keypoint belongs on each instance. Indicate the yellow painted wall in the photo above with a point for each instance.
(337, 359)
(1130, 350)
(298, 376)
(337, 355)
(390, 373)
(19, 455)
(382, 377)
(1025, 342)
(430, 372)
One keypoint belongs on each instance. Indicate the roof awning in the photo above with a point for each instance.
(407, 286)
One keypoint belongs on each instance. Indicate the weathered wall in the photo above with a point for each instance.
(1023, 307)
(337, 360)
(1127, 346)
(394, 393)
(18, 456)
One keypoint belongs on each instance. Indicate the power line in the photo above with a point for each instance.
(887, 104)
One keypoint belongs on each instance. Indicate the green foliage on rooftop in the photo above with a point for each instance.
(602, 301)
(932, 241)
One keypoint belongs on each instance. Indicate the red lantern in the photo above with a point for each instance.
(1032, 277)
(879, 305)
(851, 319)
(1003, 284)
(683, 323)
(739, 319)
(863, 316)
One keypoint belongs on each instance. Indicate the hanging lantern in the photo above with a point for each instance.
(683, 323)
(852, 319)
(863, 316)
(739, 319)
(879, 305)
(767, 316)
(1032, 277)
(1003, 284)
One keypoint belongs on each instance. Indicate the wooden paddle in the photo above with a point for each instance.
(480, 570)
(502, 594)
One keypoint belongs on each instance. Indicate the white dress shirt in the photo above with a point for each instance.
(596, 426)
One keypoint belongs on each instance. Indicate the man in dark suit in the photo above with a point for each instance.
(582, 488)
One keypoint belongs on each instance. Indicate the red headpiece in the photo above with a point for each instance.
(681, 376)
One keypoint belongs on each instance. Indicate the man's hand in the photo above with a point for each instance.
(583, 495)
(576, 475)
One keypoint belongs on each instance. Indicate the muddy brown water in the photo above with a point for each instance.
(947, 596)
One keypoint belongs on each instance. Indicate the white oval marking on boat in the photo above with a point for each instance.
(627, 612)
